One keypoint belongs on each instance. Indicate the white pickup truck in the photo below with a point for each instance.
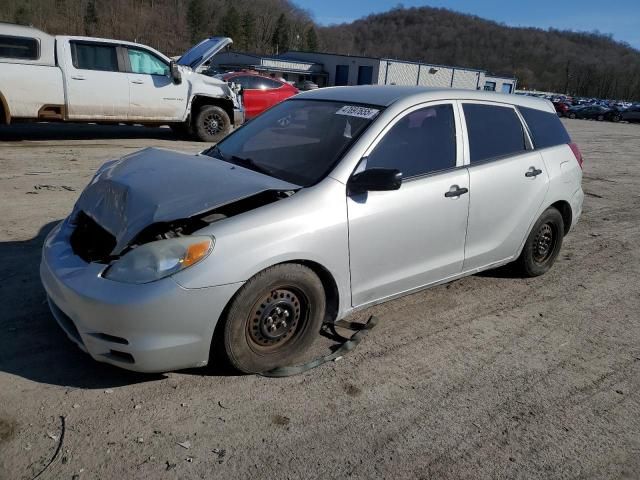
(82, 79)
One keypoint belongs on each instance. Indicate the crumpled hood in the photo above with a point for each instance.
(156, 185)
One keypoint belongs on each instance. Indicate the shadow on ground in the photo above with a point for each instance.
(32, 345)
(78, 131)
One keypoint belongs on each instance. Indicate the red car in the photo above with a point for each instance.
(561, 108)
(260, 92)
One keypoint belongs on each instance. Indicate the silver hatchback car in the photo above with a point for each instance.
(334, 200)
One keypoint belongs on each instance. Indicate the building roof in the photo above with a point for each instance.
(386, 95)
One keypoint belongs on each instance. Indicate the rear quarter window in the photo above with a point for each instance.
(21, 48)
(546, 128)
(494, 132)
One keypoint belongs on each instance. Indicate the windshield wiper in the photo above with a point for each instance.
(251, 165)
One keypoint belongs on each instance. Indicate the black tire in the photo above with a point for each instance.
(615, 118)
(274, 317)
(211, 124)
(572, 115)
(600, 118)
(543, 244)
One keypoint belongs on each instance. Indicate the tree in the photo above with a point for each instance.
(280, 40)
(196, 20)
(23, 15)
(230, 23)
(311, 39)
(248, 35)
(90, 18)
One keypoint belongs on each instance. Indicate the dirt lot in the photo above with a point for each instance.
(487, 377)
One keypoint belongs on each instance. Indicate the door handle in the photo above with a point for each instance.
(533, 172)
(455, 191)
(77, 77)
(137, 82)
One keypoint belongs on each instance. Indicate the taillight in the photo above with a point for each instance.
(576, 151)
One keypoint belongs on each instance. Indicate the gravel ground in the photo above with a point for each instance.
(487, 377)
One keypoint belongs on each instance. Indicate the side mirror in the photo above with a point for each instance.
(375, 180)
(176, 75)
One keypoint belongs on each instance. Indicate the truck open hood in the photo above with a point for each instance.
(156, 185)
(203, 51)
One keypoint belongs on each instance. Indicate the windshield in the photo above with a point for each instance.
(298, 141)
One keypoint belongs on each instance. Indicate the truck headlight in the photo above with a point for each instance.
(156, 260)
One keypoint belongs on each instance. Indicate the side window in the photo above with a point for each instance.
(146, 63)
(22, 48)
(494, 131)
(545, 127)
(90, 56)
(423, 141)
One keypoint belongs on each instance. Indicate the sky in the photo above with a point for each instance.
(621, 18)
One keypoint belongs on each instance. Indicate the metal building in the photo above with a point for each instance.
(328, 69)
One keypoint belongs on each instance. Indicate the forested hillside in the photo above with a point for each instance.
(171, 26)
(588, 64)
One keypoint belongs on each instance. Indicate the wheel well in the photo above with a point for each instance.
(567, 215)
(4, 111)
(330, 288)
(199, 102)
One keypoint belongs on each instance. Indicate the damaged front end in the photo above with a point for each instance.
(159, 195)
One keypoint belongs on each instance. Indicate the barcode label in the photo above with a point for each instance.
(360, 112)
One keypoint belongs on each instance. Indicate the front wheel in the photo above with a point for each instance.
(274, 317)
(615, 118)
(543, 244)
(600, 118)
(211, 124)
(572, 115)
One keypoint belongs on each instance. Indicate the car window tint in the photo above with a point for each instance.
(423, 141)
(146, 63)
(22, 48)
(494, 131)
(94, 57)
(545, 127)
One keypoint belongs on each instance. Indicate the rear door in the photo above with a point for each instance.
(508, 183)
(404, 239)
(152, 94)
(97, 86)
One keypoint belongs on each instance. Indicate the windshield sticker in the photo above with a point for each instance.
(360, 112)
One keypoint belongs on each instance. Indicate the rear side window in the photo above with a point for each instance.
(88, 56)
(494, 132)
(422, 142)
(22, 48)
(545, 127)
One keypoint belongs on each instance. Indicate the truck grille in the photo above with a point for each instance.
(90, 241)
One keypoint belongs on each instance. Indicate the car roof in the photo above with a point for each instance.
(386, 95)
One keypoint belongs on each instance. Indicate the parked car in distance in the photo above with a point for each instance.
(85, 79)
(259, 92)
(561, 108)
(631, 114)
(593, 112)
(361, 196)
(305, 85)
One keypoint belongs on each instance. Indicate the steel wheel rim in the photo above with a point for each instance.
(544, 243)
(277, 319)
(213, 123)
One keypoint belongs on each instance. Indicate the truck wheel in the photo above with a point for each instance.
(274, 317)
(211, 124)
(543, 244)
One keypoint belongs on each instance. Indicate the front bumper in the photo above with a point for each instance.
(238, 117)
(153, 327)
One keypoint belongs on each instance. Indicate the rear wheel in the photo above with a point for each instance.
(274, 317)
(615, 118)
(600, 118)
(543, 244)
(572, 115)
(211, 124)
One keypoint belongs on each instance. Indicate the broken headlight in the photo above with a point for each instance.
(155, 260)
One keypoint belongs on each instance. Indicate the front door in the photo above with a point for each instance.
(97, 86)
(152, 94)
(508, 182)
(404, 239)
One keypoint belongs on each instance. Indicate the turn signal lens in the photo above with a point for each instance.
(195, 253)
